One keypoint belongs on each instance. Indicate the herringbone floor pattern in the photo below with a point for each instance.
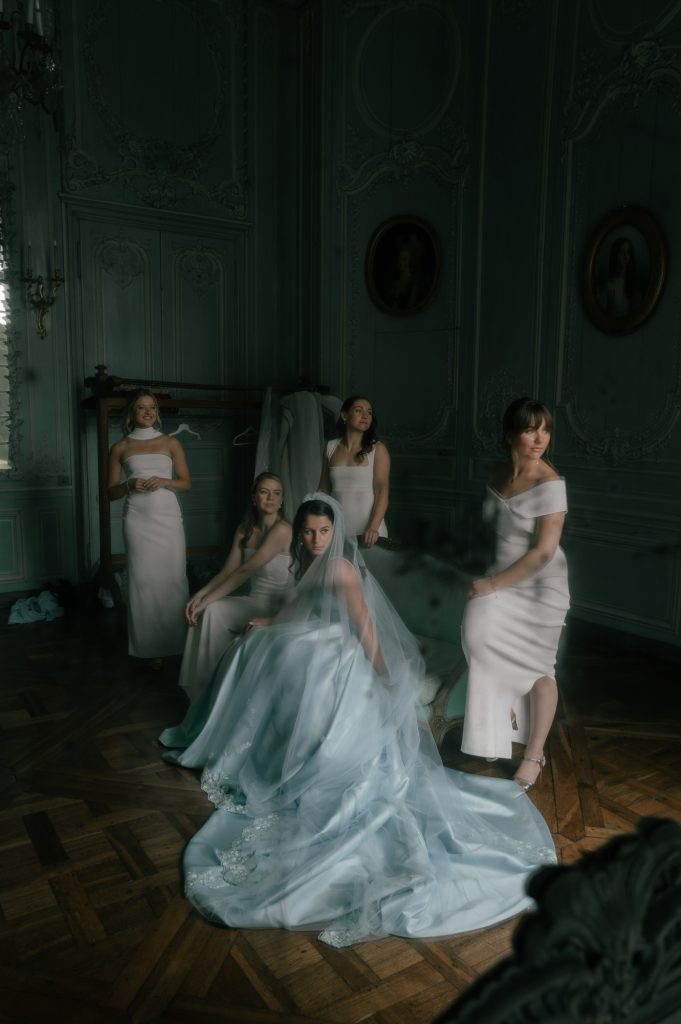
(93, 923)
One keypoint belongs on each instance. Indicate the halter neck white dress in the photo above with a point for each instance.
(353, 487)
(157, 562)
(510, 637)
(225, 619)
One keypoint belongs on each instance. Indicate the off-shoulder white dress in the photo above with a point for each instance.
(510, 637)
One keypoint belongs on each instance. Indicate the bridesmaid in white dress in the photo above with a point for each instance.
(356, 471)
(149, 468)
(515, 614)
(259, 554)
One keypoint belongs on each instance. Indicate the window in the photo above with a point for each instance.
(4, 359)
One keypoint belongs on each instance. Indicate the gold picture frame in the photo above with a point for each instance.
(624, 272)
(403, 265)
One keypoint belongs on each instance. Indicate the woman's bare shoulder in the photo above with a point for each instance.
(547, 472)
(118, 446)
(281, 530)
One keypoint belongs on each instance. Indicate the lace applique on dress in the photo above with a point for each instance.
(220, 791)
(344, 932)
(210, 879)
(236, 863)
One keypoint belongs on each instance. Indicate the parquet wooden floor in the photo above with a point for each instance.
(93, 923)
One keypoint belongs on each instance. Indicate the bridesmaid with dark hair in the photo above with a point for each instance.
(356, 471)
(516, 612)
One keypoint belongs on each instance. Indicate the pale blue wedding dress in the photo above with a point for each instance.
(333, 809)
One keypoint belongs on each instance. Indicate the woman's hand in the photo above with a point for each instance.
(153, 483)
(257, 622)
(195, 608)
(370, 536)
(482, 587)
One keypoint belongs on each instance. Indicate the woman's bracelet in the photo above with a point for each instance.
(127, 485)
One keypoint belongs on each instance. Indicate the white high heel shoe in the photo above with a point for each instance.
(525, 784)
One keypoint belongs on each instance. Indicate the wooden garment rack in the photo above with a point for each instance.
(110, 394)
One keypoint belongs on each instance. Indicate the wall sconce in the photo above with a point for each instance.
(40, 293)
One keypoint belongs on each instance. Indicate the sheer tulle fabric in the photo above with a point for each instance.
(334, 810)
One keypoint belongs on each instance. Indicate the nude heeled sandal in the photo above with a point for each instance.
(523, 783)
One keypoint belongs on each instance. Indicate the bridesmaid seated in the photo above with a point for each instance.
(356, 471)
(259, 553)
(516, 612)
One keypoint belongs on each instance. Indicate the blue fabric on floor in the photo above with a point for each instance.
(44, 607)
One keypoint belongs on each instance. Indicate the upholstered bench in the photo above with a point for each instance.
(429, 594)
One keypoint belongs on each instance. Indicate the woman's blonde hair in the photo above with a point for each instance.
(129, 412)
(250, 520)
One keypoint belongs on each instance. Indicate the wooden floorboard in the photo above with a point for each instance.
(94, 926)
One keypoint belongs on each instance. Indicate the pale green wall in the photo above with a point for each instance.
(556, 117)
(512, 126)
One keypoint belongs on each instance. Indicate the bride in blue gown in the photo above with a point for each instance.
(333, 809)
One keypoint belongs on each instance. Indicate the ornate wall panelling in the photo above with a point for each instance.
(405, 152)
(619, 438)
(277, 106)
(158, 302)
(625, 569)
(622, 395)
(12, 549)
(509, 355)
(185, 145)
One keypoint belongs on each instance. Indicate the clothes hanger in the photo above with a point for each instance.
(185, 426)
(245, 437)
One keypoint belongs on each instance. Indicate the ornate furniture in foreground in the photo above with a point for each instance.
(603, 945)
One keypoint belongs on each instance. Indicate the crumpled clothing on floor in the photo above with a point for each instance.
(44, 607)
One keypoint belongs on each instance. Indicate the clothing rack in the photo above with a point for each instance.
(110, 394)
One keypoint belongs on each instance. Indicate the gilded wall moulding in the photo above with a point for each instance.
(401, 438)
(199, 267)
(390, 38)
(352, 6)
(640, 68)
(618, 448)
(518, 10)
(497, 393)
(162, 172)
(122, 260)
(402, 162)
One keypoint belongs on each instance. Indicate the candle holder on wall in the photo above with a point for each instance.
(41, 295)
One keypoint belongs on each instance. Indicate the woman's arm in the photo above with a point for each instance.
(325, 479)
(232, 562)
(276, 542)
(381, 493)
(116, 488)
(546, 540)
(350, 586)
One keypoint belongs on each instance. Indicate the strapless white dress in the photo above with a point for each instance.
(353, 487)
(157, 562)
(225, 619)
